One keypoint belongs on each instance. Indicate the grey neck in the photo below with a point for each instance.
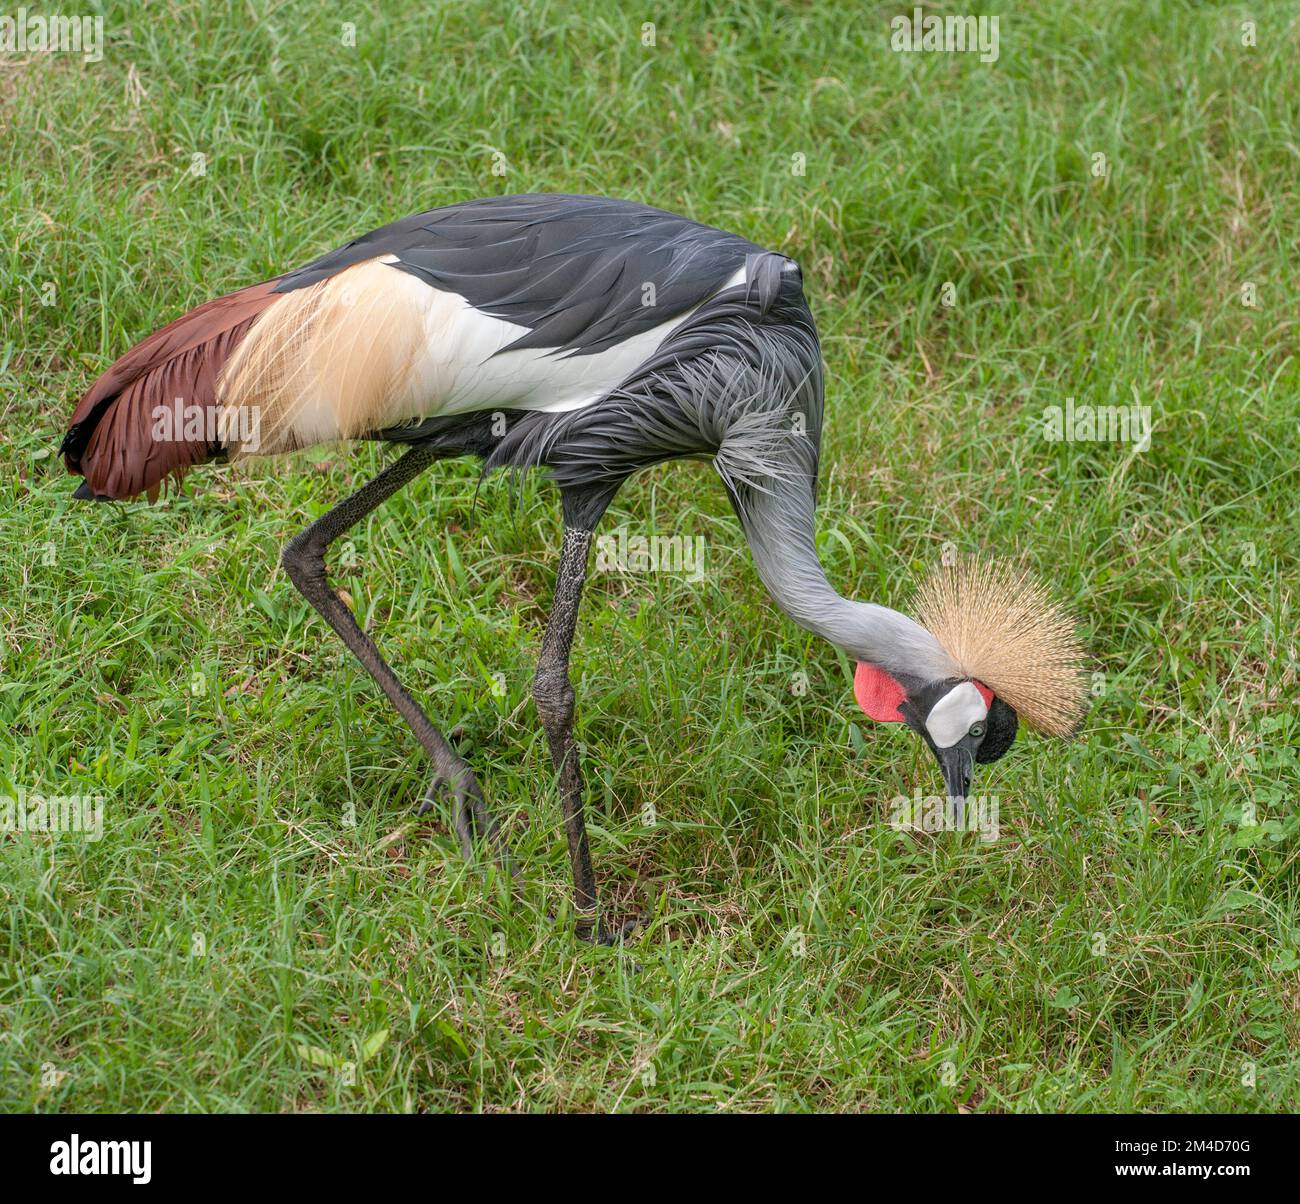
(779, 527)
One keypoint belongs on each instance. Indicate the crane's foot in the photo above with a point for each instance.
(442, 786)
(470, 815)
(595, 933)
(441, 789)
(618, 935)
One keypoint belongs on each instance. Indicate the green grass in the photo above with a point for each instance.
(1128, 942)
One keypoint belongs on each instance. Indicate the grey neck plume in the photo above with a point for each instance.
(778, 524)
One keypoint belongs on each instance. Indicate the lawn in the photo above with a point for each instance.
(1106, 213)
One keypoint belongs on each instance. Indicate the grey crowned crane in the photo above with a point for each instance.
(591, 337)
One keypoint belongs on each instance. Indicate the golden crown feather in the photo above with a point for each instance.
(1002, 627)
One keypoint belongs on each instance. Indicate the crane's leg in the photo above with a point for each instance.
(304, 560)
(554, 696)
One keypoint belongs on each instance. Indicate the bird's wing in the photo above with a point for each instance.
(344, 346)
(581, 273)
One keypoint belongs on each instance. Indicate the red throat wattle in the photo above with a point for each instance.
(878, 694)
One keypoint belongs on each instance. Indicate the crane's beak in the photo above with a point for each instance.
(956, 765)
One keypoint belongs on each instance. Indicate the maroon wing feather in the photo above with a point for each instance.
(110, 438)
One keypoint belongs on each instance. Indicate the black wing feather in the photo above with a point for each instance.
(572, 269)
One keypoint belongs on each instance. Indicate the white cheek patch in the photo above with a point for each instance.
(951, 717)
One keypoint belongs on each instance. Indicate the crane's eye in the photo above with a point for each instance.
(977, 729)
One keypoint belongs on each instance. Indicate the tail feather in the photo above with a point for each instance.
(332, 360)
(110, 440)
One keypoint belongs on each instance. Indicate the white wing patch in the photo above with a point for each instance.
(372, 347)
(951, 717)
(462, 367)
